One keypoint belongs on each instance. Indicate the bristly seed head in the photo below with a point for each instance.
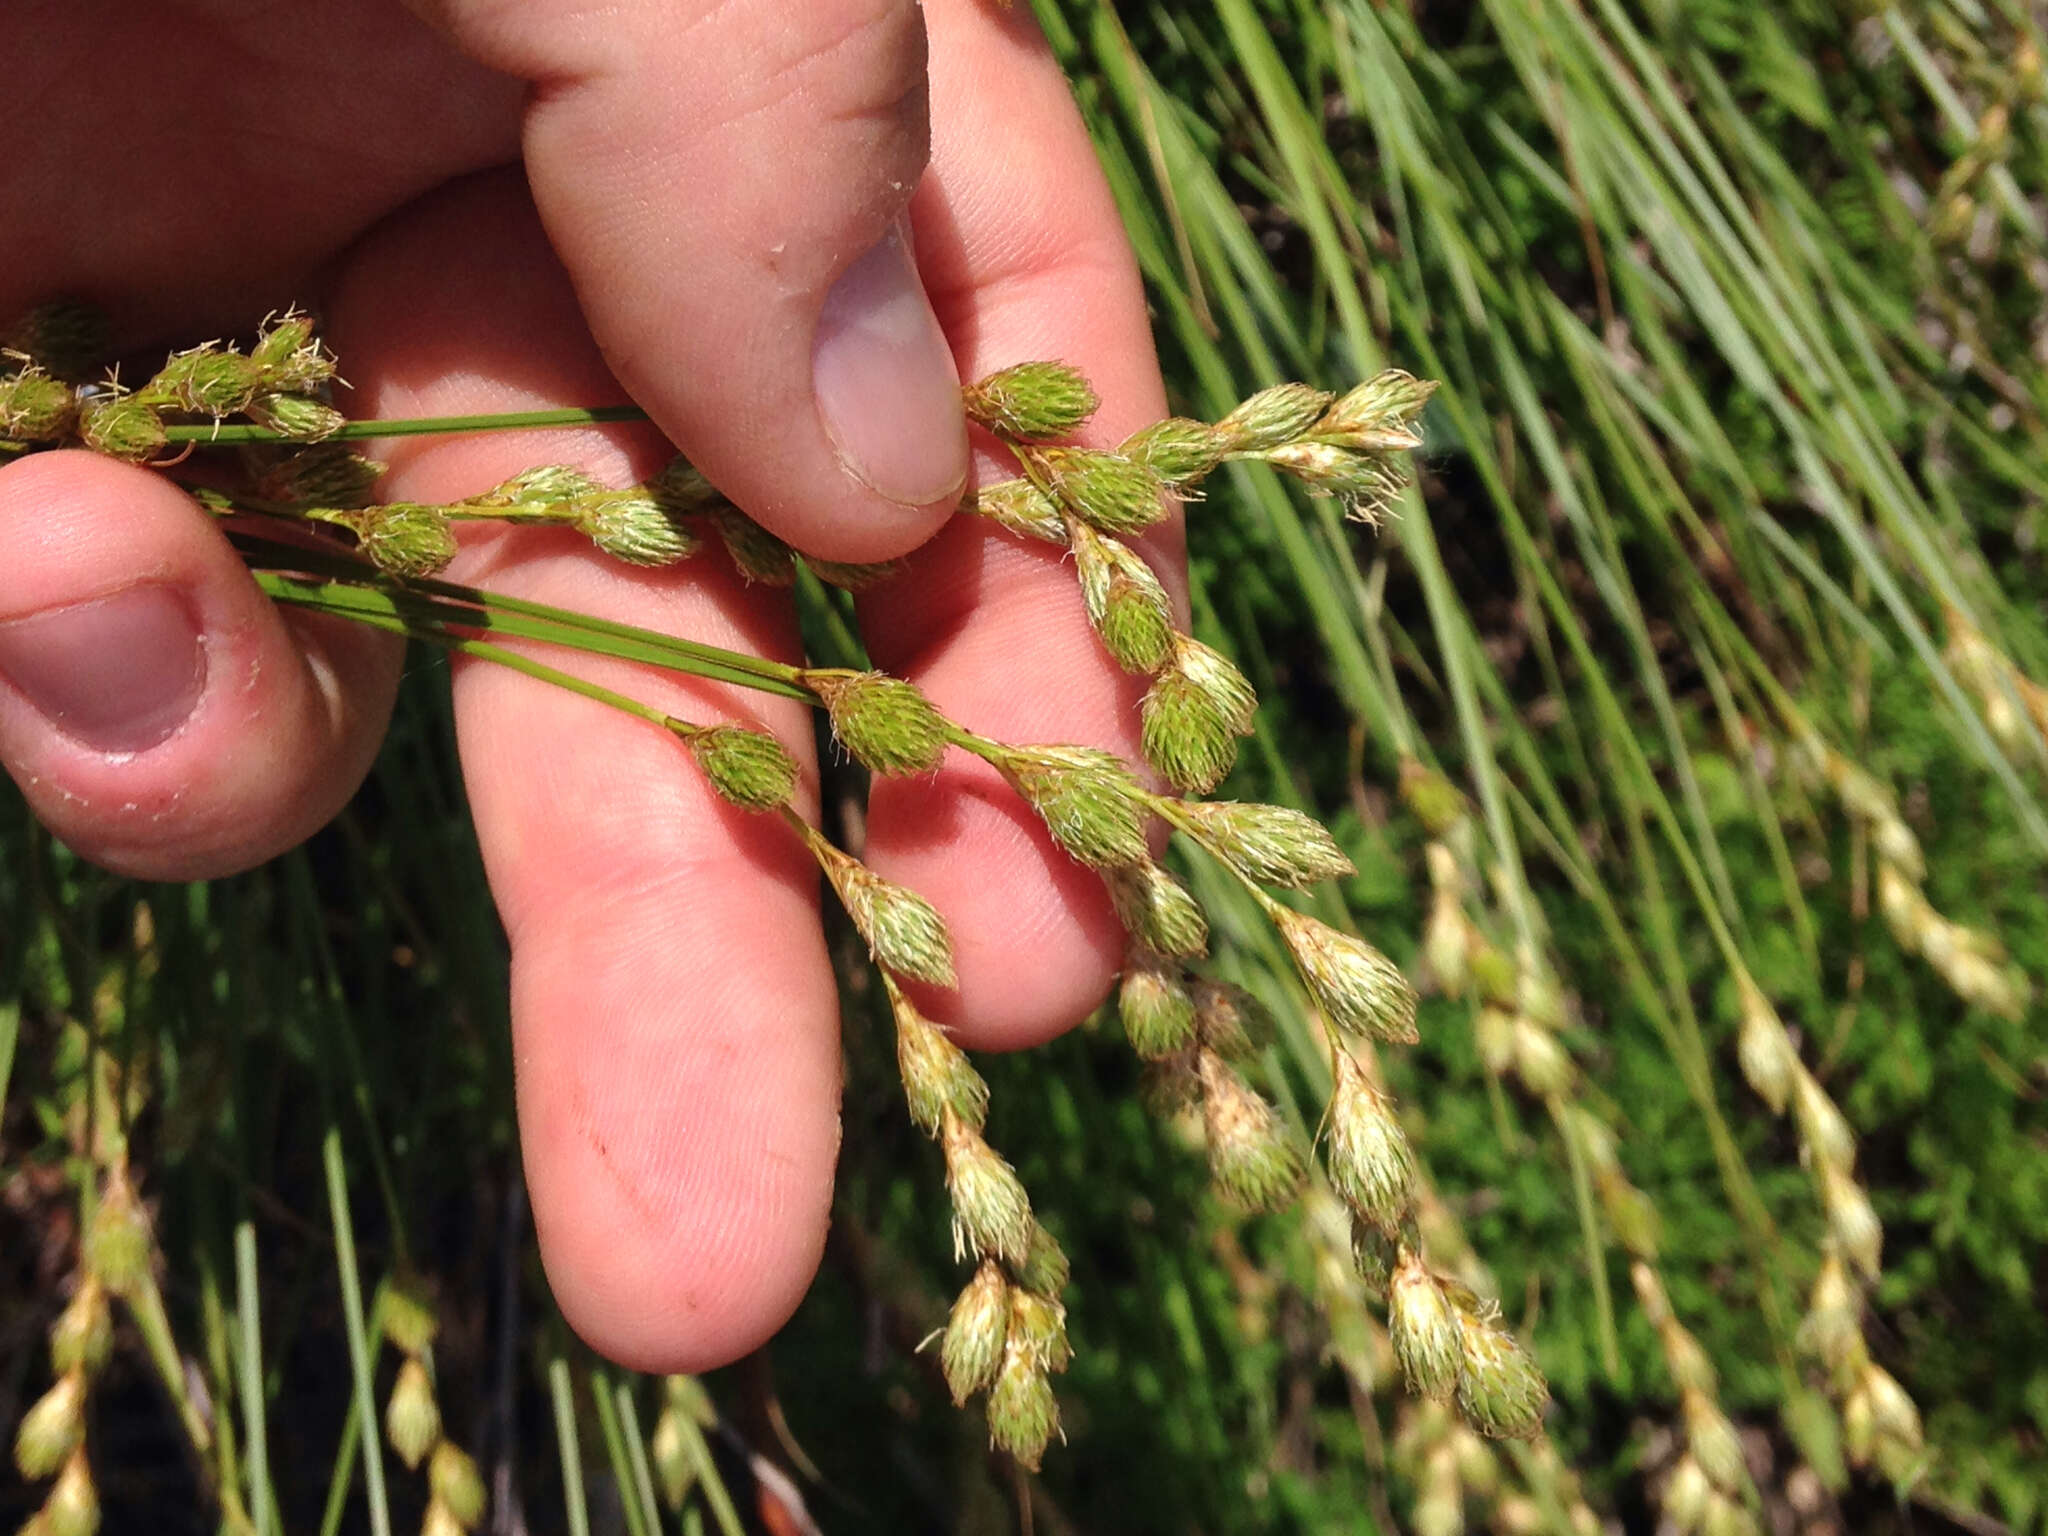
(52, 1429)
(1157, 1010)
(1157, 910)
(972, 1350)
(991, 1212)
(1358, 988)
(1179, 451)
(938, 1079)
(904, 932)
(1087, 798)
(1193, 714)
(1021, 507)
(412, 1419)
(746, 767)
(1378, 416)
(1254, 1161)
(1044, 1269)
(1423, 1326)
(116, 1246)
(1500, 1390)
(1125, 601)
(1273, 417)
(400, 538)
(1023, 1415)
(888, 725)
(1269, 843)
(1038, 1325)
(1231, 1021)
(1106, 490)
(1371, 1163)
(1032, 401)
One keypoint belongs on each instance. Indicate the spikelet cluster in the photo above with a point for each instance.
(1972, 962)
(412, 1416)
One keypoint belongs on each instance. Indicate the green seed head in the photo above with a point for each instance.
(452, 1475)
(1423, 1326)
(1038, 1326)
(1254, 1162)
(904, 932)
(1370, 1161)
(439, 1520)
(1687, 1495)
(1105, 490)
(52, 1429)
(635, 527)
(675, 1468)
(83, 1334)
(1543, 1065)
(1087, 798)
(1185, 735)
(1033, 401)
(1365, 484)
(412, 1419)
(1021, 507)
(73, 1508)
(1500, 1391)
(288, 357)
(1713, 1443)
(1268, 843)
(1273, 417)
(1157, 910)
(407, 1318)
(1763, 1049)
(207, 382)
(885, 723)
(1157, 1011)
(117, 1243)
(34, 406)
(1434, 799)
(400, 538)
(299, 417)
(1125, 602)
(1044, 1269)
(1023, 1414)
(971, 1352)
(1177, 450)
(938, 1079)
(749, 768)
(991, 1212)
(1358, 988)
(1832, 1328)
(1828, 1137)
(1379, 415)
(122, 427)
(1851, 1221)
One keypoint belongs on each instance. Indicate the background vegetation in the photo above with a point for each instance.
(1738, 311)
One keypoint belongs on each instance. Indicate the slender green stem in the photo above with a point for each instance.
(208, 434)
(361, 1362)
(562, 1390)
(249, 1371)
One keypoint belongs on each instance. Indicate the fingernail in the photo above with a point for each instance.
(117, 674)
(886, 386)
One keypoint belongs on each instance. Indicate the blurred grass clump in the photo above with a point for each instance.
(1684, 734)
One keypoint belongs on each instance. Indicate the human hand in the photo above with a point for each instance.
(698, 177)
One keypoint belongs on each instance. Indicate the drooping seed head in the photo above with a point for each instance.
(756, 553)
(1044, 1269)
(1032, 401)
(1691, 1370)
(749, 768)
(1631, 1214)
(73, 1507)
(1230, 1021)
(1686, 1495)
(1493, 1036)
(1891, 1410)
(991, 1212)
(1023, 1414)
(1157, 910)
(1038, 1326)
(1254, 1161)
(633, 526)
(904, 932)
(1268, 843)
(1851, 1221)
(452, 1475)
(1087, 799)
(1021, 507)
(1157, 1011)
(1434, 799)
(1423, 1326)
(1359, 989)
(52, 1429)
(1105, 490)
(971, 1351)
(1826, 1133)
(407, 1318)
(1125, 602)
(412, 1419)
(1832, 1328)
(938, 1079)
(1713, 1443)
(439, 1520)
(83, 1334)
(1370, 1161)
(1447, 941)
(888, 724)
(1543, 1065)
(116, 1246)
(1762, 1047)
(1500, 1391)
(1365, 484)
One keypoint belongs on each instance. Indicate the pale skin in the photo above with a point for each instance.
(695, 178)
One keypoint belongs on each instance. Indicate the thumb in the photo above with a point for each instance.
(726, 183)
